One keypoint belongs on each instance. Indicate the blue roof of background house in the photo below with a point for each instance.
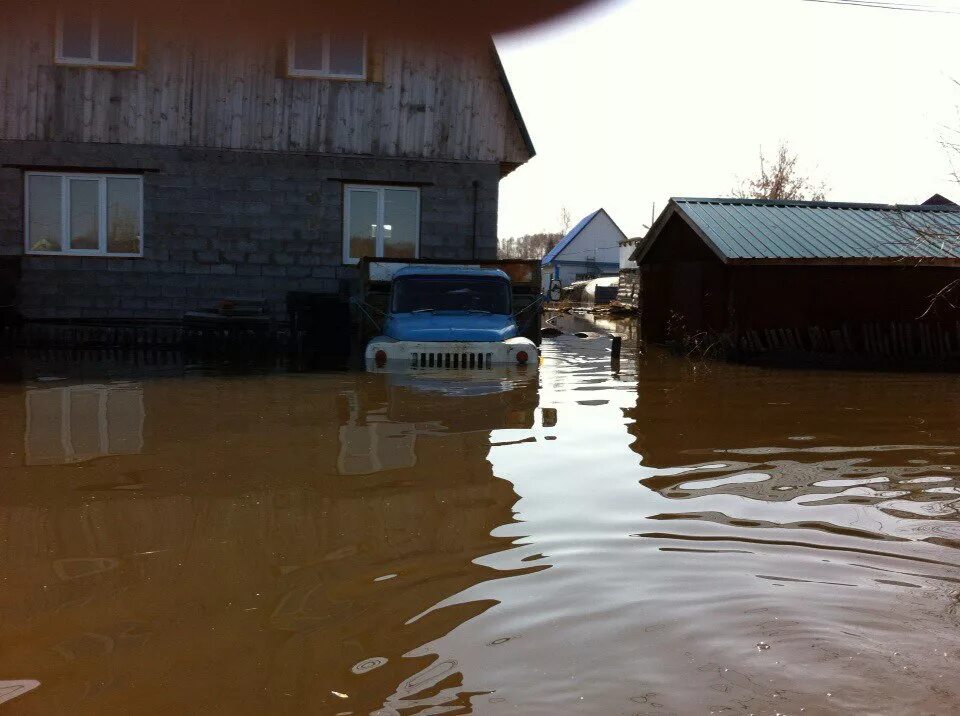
(571, 235)
(754, 229)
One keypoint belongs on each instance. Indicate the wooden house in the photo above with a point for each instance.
(151, 165)
(762, 276)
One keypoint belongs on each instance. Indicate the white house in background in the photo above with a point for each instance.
(626, 250)
(590, 249)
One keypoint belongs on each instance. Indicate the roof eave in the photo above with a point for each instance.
(514, 107)
(569, 237)
(901, 261)
(673, 208)
(816, 204)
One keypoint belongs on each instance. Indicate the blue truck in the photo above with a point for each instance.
(453, 316)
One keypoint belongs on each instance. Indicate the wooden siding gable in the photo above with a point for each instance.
(233, 92)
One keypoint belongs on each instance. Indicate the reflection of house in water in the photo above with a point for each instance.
(240, 526)
(376, 446)
(774, 436)
(81, 422)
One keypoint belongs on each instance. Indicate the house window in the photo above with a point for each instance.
(380, 221)
(96, 34)
(84, 214)
(336, 55)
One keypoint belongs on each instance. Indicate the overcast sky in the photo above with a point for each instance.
(635, 101)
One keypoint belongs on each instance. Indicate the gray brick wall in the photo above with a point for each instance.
(223, 223)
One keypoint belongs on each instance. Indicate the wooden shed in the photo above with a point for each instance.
(757, 275)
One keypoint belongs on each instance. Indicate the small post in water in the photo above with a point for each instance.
(615, 343)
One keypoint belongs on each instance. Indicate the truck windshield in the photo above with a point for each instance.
(451, 293)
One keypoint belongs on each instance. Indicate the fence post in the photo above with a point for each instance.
(615, 344)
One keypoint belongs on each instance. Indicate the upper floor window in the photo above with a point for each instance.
(380, 221)
(337, 55)
(84, 214)
(96, 34)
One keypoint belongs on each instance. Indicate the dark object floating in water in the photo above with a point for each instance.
(550, 332)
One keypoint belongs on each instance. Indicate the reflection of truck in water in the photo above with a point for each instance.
(452, 317)
(400, 414)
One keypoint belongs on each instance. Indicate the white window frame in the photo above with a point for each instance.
(102, 228)
(294, 71)
(380, 191)
(61, 59)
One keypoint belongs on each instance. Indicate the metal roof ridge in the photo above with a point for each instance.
(728, 201)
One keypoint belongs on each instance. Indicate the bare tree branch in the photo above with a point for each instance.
(528, 246)
(565, 220)
(781, 180)
(943, 295)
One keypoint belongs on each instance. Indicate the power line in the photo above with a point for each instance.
(886, 5)
(879, 5)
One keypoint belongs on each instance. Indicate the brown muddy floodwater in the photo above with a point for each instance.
(674, 539)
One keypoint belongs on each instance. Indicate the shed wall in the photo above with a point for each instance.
(684, 286)
(829, 296)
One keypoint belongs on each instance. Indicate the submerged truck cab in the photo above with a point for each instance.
(457, 317)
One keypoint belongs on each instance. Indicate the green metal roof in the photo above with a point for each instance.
(748, 230)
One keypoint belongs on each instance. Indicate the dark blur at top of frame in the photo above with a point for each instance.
(437, 21)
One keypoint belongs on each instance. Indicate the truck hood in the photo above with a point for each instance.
(450, 326)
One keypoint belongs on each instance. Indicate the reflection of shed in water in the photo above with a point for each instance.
(775, 436)
(235, 523)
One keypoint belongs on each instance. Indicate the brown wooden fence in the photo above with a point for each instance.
(894, 340)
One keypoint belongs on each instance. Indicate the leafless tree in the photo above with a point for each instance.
(931, 236)
(534, 246)
(565, 221)
(780, 179)
(950, 141)
(528, 246)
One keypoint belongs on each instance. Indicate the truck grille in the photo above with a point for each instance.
(477, 361)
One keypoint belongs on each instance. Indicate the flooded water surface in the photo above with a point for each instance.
(673, 538)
